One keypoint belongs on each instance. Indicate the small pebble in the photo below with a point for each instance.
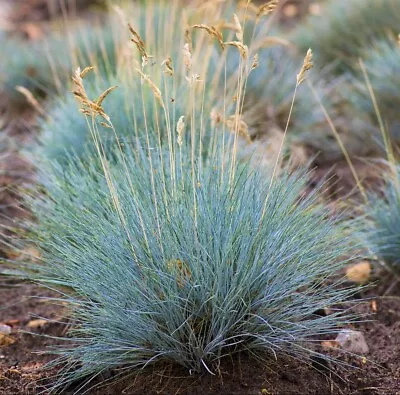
(5, 329)
(352, 341)
(34, 324)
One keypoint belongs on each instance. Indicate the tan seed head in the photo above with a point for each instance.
(307, 65)
(180, 128)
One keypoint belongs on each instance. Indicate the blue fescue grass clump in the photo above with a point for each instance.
(346, 28)
(182, 268)
(25, 64)
(382, 230)
(166, 247)
(44, 66)
(382, 64)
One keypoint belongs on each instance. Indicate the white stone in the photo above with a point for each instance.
(352, 341)
(5, 329)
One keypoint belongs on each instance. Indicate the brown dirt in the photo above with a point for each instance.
(15, 170)
(19, 362)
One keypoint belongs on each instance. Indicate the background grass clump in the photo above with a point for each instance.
(381, 64)
(382, 232)
(269, 93)
(44, 66)
(342, 33)
(346, 28)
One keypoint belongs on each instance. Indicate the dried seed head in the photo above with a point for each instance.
(106, 125)
(156, 91)
(137, 40)
(85, 71)
(235, 124)
(238, 28)
(267, 8)
(243, 49)
(101, 98)
(79, 90)
(248, 6)
(180, 129)
(255, 63)
(187, 57)
(307, 65)
(213, 32)
(78, 84)
(85, 112)
(89, 107)
(168, 66)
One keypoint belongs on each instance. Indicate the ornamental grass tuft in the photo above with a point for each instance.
(168, 248)
(162, 268)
